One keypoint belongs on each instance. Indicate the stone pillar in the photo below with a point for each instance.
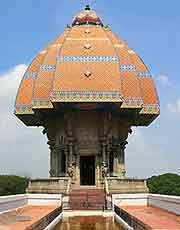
(109, 148)
(115, 165)
(122, 157)
(119, 158)
(52, 170)
(104, 153)
(67, 159)
(104, 158)
(71, 163)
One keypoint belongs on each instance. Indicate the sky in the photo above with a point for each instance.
(151, 28)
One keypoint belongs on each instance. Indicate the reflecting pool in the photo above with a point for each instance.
(88, 223)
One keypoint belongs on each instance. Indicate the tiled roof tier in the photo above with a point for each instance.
(89, 64)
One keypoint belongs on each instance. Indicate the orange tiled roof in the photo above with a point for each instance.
(88, 63)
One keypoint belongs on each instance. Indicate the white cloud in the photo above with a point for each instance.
(145, 157)
(174, 106)
(164, 79)
(23, 150)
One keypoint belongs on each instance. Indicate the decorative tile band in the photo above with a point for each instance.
(83, 96)
(151, 108)
(30, 75)
(127, 68)
(23, 109)
(88, 59)
(22, 106)
(143, 74)
(47, 67)
(132, 102)
(87, 39)
(39, 103)
(87, 92)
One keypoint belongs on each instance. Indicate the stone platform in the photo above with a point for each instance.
(48, 185)
(116, 185)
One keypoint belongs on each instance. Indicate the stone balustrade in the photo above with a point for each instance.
(48, 186)
(118, 185)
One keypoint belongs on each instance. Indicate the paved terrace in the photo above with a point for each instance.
(154, 218)
(29, 211)
(147, 211)
(24, 218)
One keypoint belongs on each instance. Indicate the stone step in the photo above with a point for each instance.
(86, 199)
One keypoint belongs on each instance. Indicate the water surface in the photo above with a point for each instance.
(88, 223)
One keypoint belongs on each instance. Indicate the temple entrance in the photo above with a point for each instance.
(87, 170)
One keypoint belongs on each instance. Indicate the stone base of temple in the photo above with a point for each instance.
(118, 185)
(63, 185)
(48, 186)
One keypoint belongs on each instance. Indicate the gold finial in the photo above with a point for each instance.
(68, 26)
(106, 27)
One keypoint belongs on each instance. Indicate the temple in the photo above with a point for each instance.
(87, 88)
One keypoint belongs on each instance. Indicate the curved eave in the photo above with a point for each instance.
(138, 118)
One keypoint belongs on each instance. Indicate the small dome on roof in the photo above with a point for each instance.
(87, 16)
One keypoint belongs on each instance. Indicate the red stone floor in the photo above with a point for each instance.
(23, 217)
(155, 218)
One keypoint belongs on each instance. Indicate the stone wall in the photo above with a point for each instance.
(130, 199)
(169, 203)
(10, 203)
(45, 199)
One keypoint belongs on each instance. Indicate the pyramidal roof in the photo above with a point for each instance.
(87, 63)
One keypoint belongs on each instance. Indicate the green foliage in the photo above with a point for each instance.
(11, 185)
(167, 184)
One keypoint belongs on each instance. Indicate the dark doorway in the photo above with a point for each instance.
(111, 162)
(87, 170)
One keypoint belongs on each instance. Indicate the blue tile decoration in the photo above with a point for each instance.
(152, 107)
(42, 103)
(127, 68)
(133, 100)
(23, 106)
(30, 75)
(47, 67)
(114, 59)
(41, 99)
(143, 74)
(86, 92)
(86, 96)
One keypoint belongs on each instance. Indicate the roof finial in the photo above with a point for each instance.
(87, 7)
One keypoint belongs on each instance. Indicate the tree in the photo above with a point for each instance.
(167, 184)
(12, 185)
